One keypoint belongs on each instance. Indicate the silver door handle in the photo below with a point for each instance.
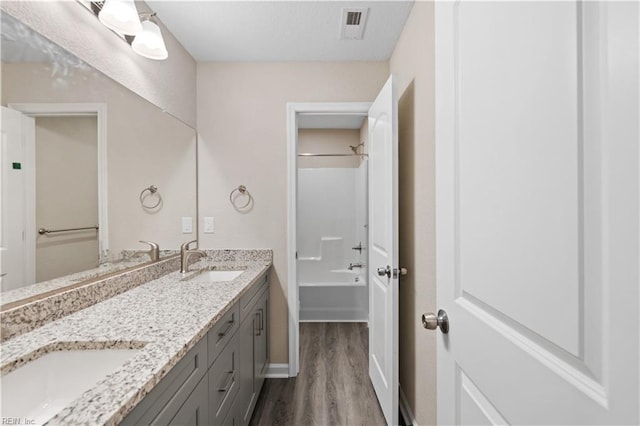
(385, 271)
(432, 321)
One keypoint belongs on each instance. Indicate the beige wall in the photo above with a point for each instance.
(242, 140)
(328, 141)
(169, 84)
(145, 146)
(412, 64)
(66, 194)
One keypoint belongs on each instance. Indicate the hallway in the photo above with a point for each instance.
(333, 386)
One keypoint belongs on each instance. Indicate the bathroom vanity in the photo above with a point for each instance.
(201, 346)
(218, 381)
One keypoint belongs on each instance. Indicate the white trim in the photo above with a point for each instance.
(405, 410)
(277, 371)
(326, 314)
(363, 321)
(293, 109)
(29, 207)
(292, 273)
(80, 109)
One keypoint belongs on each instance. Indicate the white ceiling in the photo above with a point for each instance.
(263, 30)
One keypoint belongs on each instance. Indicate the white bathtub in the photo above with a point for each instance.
(340, 295)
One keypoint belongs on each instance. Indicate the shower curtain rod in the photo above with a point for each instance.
(308, 154)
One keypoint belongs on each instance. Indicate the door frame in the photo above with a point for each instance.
(99, 110)
(294, 109)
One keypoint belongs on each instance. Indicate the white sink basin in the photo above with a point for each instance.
(42, 388)
(220, 275)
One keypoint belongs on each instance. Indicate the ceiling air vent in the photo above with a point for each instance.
(353, 23)
(353, 18)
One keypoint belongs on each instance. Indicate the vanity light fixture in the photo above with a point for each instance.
(121, 16)
(149, 43)
(141, 31)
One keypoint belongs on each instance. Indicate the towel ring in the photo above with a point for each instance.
(243, 191)
(151, 190)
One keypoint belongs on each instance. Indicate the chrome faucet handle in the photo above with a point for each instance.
(184, 263)
(185, 246)
(154, 251)
(151, 244)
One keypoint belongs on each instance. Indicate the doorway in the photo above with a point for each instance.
(66, 162)
(314, 116)
(382, 236)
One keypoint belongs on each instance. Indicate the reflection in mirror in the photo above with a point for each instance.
(79, 154)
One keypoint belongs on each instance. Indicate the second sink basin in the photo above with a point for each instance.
(220, 275)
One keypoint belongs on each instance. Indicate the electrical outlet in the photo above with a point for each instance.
(187, 225)
(208, 225)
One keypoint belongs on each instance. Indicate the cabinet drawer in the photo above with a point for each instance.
(223, 383)
(163, 402)
(223, 332)
(251, 297)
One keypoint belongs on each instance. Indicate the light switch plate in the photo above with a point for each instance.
(187, 225)
(209, 225)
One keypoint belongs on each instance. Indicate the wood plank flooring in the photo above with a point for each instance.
(333, 386)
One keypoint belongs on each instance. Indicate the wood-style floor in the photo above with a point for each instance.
(333, 386)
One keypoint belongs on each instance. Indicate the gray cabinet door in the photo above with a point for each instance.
(245, 396)
(261, 341)
(166, 398)
(195, 410)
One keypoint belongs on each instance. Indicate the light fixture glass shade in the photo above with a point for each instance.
(149, 43)
(121, 16)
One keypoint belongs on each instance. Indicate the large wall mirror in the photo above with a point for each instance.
(88, 170)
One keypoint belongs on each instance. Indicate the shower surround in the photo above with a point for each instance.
(332, 218)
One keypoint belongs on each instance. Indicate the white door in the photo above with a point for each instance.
(383, 249)
(537, 212)
(18, 226)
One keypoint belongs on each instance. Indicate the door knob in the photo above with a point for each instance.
(385, 271)
(432, 321)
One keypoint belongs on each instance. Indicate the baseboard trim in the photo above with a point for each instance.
(277, 371)
(333, 320)
(405, 410)
(332, 315)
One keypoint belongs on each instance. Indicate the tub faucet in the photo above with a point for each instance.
(185, 254)
(154, 252)
(355, 265)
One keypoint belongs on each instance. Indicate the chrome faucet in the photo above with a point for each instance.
(154, 252)
(185, 254)
(355, 265)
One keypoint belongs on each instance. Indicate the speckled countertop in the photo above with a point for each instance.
(168, 316)
(56, 283)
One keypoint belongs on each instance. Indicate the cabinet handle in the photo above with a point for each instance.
(226, 330)
(227, 385)
(258, 324)
(261, 319)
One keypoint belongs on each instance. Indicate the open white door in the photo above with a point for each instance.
(537, 212)
(17, 170)
(383, 250)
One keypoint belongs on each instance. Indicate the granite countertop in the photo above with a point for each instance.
(56, 283)
(166, 317)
